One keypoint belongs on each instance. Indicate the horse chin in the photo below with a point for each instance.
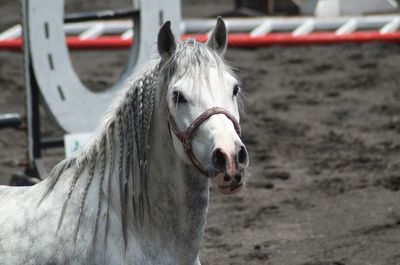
(230, 189)
(226, 188)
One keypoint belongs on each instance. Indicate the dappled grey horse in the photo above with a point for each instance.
(137, 193)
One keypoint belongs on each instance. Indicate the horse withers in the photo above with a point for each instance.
(137, 193)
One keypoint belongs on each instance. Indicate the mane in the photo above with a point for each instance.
(127, 126)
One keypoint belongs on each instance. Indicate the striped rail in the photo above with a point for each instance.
(244, 33)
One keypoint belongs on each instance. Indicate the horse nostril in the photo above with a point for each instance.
(242, 155)
(227, 177)
(238, 178)
(218, 159)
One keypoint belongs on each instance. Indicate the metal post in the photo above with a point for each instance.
(33, 108)
(29, 91)
(32, 103)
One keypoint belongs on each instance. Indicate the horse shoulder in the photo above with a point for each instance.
(26, 230)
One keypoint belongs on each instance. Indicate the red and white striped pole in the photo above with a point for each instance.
(235, 40)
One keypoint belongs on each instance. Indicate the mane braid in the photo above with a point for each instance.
(84, 195)
(121, 171)
(128, 140)
(135, 136)
(150, 94)
(101, 193)
(75, 178)
(110, 173)
(139, 147)
(129, 155)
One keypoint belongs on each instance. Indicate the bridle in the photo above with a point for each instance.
(185, 137)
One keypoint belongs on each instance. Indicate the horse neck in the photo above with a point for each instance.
(178, 197)
(173, 208)
(175, 199)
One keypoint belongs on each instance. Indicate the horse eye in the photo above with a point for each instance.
(235, 90)
(178, 98)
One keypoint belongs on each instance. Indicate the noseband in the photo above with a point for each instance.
(186, 137)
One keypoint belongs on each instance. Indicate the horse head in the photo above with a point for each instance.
(202, 107)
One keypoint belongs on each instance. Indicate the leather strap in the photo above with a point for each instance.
(186, 137)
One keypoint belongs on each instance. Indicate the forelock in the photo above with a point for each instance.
(191, 59)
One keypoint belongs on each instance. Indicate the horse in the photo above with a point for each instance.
(138, 191)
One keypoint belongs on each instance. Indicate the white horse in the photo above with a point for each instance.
(138, 192)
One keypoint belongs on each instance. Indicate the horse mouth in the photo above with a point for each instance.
(231, 189)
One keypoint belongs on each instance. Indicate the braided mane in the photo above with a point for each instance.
(127, 126)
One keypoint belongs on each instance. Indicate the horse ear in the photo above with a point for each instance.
(166, 41)
(218, 38)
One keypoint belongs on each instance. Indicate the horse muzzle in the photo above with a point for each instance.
(221, 162)
(227, 186)
(230, 169)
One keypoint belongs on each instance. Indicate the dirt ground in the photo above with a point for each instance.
(322, 125)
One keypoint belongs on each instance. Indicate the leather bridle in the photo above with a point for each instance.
(186, 137)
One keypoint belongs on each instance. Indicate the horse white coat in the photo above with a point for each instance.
(131, 196)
